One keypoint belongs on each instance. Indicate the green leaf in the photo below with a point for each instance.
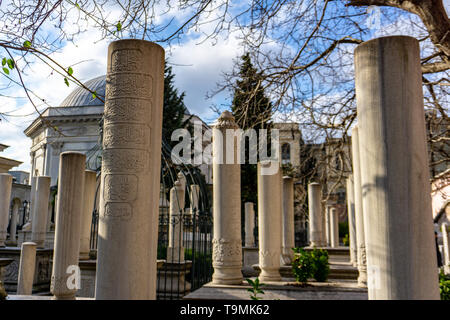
(77, 5)
(10, 63)
(119, 26)
(3, 61)
(5, 70)
(70, 71)
(94, 95)
(66, 81)
(27, 44)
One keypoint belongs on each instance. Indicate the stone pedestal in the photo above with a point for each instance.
(90, 185)
(401, 251)
(175, 248)
(334, 228)
(269, 222)
(40, 210)
(287, 232)
(26, 268)
(315, 214)
(130, 179)
(68, 222)
(351, 221)
(446, 247)
(359, 217)
(172, 283)
(250, 257)
(227, 245)
(5, 200)
(249, 224)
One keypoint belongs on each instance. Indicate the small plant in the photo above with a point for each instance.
(321, 268)
(302, 265)
(444, 285)
(346, 240)
(255, 289)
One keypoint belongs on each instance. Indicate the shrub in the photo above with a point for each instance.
(302, 265)
(321, 268)
(444, 285)
(346, 240)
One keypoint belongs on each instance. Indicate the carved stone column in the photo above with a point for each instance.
(315, 214)
(175, 249)
(334, 228)
(40, 211)
(26, 268)
(351, 221)
(90, 184)
(249, 224)
(401, 249)
(68, 222)
(227, 245)
(130, 179)
(269, 222)
(359, 217)
(288, 235)
(5, 201)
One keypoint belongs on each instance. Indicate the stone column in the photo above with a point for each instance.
(26, 268)
(315, 214)
(269, 222)
(327, 225)
(130, 179)
(351, 221)
(287, 234)
(359, 218)
(446, 247)
(193, 198)
(334, 228)
(5, 201)
(394, 170)
(40, 211)
(90, 184)
(249, 224)
(69, 210)
(227, 245)
(13, 226)
(175, 249)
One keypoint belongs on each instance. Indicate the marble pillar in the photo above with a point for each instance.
(13, 225)
(227, 245)
(315, 214)
(288, 233)
(5, 201)
(27, 267)
(175, 248)
(351, 220)
(40, 211)
(28, 224)
(401, 252)
(446, 247)
(90, 184)
(269, 222)
(69, 211)
(131, 166)
(327, 225)
(334, 227)
(359, 217)
(249, 224)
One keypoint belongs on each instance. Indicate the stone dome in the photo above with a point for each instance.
(80, 97)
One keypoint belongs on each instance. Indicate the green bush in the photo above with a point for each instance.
(343, 229)
(302, 265)
(346, 240)
(444, 285)
(321, 268)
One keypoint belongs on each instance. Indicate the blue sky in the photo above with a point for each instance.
(197, 67)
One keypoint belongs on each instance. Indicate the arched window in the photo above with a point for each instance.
(286, 152)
